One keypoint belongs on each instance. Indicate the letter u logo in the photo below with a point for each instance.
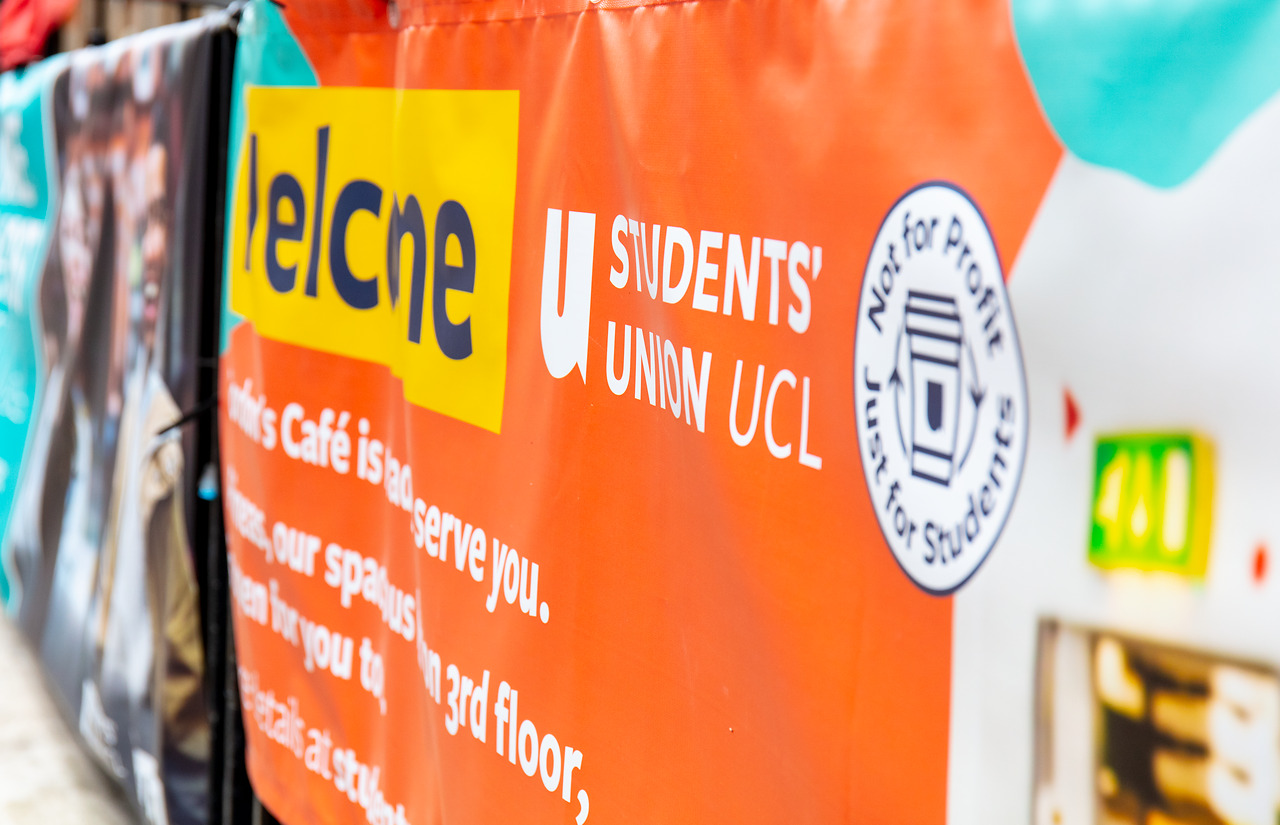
(566, 318)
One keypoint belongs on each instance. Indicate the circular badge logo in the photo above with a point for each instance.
(940, 395)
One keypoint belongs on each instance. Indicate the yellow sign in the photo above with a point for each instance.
(377, 224)
(1152, 503)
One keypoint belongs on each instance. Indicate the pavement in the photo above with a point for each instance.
(46, 777)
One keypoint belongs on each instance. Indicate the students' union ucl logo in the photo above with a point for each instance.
(939, 391)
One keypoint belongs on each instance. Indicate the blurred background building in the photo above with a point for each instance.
(31, 29)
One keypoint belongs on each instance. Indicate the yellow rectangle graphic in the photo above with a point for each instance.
(377, 224)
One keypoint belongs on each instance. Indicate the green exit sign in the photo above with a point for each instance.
(1152, 503)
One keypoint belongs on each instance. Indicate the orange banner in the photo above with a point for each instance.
(542, 417)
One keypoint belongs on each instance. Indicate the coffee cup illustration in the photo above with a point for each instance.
(935, 340)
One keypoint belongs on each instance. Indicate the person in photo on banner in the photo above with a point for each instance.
(76, 276)
(146, 622)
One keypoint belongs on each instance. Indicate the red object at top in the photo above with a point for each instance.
(25, 25)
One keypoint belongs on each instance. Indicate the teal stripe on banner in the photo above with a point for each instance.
(28, 185)
(1149, 87)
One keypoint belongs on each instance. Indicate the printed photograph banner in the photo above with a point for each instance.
(98, 551)
(754, 411)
